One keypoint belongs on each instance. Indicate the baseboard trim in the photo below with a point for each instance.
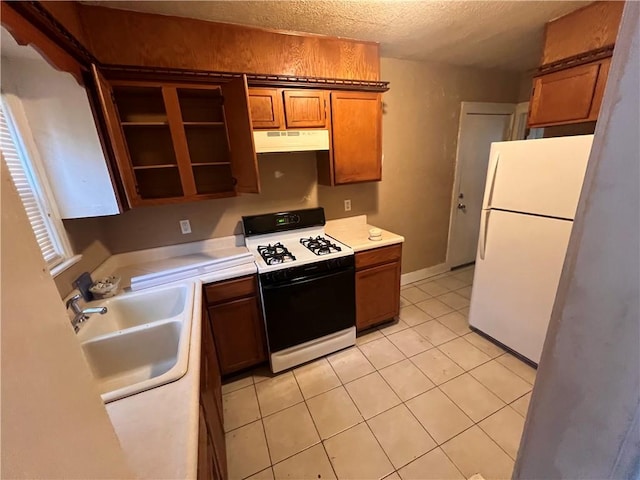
(424, 273)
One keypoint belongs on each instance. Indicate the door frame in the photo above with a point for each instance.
(466, 108)
(520, 118)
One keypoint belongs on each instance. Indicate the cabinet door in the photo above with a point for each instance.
(211, 396)
(244, 163)
(377, 294)
(266, 108)
(305, 108)
(204, 455)
(356, 122)
(115, 134)
(239, 334)
(565, 96)
(603, 74)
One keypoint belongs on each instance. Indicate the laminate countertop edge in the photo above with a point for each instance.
(158, 428)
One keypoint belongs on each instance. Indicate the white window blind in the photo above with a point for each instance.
(31, 193)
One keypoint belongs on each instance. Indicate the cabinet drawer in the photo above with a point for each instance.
(231, 289)
(377, 256)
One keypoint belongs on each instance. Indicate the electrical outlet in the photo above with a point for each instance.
(347, 205)
(185, 226)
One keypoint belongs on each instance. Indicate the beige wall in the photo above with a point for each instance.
(420, 127)
(525, 87)
(584, 417)
(54, 424)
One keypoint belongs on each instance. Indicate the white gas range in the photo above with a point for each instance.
(307, 285)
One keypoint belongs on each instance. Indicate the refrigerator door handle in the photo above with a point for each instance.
(492, 181)
(484, 228)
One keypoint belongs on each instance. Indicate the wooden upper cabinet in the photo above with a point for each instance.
(305, 108)
(266, 108)
(574, 65)
(356, 122)
(568, 96)
(592, 27)
(178, 142)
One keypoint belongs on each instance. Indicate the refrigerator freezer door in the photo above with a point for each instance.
(543, 176)
(515, 283)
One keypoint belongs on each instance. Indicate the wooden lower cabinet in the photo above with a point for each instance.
(377, 285)
(573, 95)
(212, 457)
(236, 320)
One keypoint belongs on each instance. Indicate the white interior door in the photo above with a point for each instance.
(516, 278)
(480, 125)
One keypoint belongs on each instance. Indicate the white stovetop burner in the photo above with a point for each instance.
(291, 240)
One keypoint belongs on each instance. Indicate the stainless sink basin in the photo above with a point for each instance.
(142, 341)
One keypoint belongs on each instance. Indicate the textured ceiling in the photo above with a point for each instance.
(491, 34)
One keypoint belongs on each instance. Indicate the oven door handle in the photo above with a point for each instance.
(305, 279)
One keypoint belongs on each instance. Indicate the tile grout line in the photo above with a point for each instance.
(437, 445)
(364, 420)
(402, 402)
(324, 448)
(474, 423)
(489, 435)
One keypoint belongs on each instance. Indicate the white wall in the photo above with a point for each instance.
(54, 424)
(60, 118)
(584, 418)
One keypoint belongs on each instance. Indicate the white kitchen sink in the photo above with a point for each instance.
(142, 341)
(134, 309)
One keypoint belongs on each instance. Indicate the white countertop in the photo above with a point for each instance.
(354, 231)
(158, 428)
(146, 262)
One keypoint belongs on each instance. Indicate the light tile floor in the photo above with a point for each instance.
(423, 398)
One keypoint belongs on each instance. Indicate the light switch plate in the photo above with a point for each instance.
(185, 226)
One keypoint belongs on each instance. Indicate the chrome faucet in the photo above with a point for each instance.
(81, 315)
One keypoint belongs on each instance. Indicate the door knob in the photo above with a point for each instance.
(462, 207)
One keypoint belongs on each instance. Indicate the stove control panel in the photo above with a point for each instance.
(282, 221)
(287, 219)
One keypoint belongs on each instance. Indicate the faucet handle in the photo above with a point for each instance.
(72, 303)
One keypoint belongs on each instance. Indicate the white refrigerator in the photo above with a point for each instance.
(530, 200)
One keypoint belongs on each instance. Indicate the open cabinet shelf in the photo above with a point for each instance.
(173, 142)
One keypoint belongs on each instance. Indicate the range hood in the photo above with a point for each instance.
(270, 141)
